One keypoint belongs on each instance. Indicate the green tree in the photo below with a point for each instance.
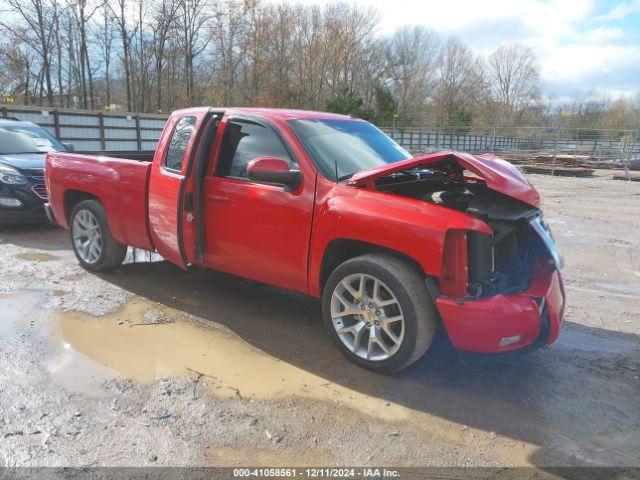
(347, 102)
(459, 122)
(385, 106)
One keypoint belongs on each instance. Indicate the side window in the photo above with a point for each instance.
(244, 141)
(179, 141)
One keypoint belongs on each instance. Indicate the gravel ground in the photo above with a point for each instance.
(149, 365)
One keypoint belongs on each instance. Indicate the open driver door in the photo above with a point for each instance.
(172, 221)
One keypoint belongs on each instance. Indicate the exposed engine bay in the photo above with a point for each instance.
(502, 263)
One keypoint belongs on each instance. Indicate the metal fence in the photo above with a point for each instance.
(598, 144)
(96, 130)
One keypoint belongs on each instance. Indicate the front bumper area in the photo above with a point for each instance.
(482, 326)
(31, 197)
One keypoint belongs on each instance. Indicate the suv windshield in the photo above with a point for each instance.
(16, 139)
(346, 146)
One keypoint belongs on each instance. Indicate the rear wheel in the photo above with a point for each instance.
(377, 310)
(91, 238)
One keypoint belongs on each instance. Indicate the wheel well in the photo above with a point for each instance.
(74, 197)
(342, 249)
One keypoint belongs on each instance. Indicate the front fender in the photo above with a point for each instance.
(414, 228)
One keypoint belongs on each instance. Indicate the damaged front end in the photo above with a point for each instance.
(487, 188)
(506, 276)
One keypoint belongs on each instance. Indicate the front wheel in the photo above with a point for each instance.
(377, 310)
(91, 238)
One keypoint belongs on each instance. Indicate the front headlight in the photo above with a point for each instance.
(11, 176)
(541, 227)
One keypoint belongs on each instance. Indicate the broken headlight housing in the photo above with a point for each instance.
(541, 227)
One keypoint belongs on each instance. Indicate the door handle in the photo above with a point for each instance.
(218, 199)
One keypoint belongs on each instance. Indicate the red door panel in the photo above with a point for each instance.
(165, 186)
(258, 231)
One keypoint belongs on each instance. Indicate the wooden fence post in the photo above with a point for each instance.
(138, 136)
(56, 123)
(103, 141)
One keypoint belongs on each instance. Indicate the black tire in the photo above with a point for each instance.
(112, 252)
(420, 314)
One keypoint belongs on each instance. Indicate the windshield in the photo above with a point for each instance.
(346, 146)
(16, 139)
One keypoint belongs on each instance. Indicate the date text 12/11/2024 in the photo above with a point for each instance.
(323, 472)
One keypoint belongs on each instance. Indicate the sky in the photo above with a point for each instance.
(582, 46)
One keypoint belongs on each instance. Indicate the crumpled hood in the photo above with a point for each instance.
(499, 175)
(24, 161)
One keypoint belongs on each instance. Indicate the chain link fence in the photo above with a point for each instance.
(603, 148)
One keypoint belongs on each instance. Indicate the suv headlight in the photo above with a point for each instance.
(11, 176)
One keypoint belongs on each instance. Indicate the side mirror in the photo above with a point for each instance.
(273, 170)
(69, 146)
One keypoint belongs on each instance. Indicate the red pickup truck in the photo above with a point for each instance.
(396, 247)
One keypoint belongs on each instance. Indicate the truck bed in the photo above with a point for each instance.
(120, 184)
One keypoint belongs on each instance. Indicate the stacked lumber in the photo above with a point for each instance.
(562, 160)
(633, 176)
(566, 160)
(544, 164)
(557, 170)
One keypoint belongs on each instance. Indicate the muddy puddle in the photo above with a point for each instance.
(144, 340)
(37, 257)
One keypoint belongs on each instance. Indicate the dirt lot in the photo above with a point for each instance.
(150, 365)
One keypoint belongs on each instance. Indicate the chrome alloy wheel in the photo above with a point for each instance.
(87, 237)
(367, 317)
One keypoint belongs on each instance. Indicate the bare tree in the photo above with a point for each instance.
(163, 23)
(35, 28)
(412, 56)
(83, 13)
(119, 11)
(227, 30)
(105, 38)
(142, 58)
(194, 17)
(57, 34)
(459, 81)
(513, 77)
(16, 63)
(175, 53)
